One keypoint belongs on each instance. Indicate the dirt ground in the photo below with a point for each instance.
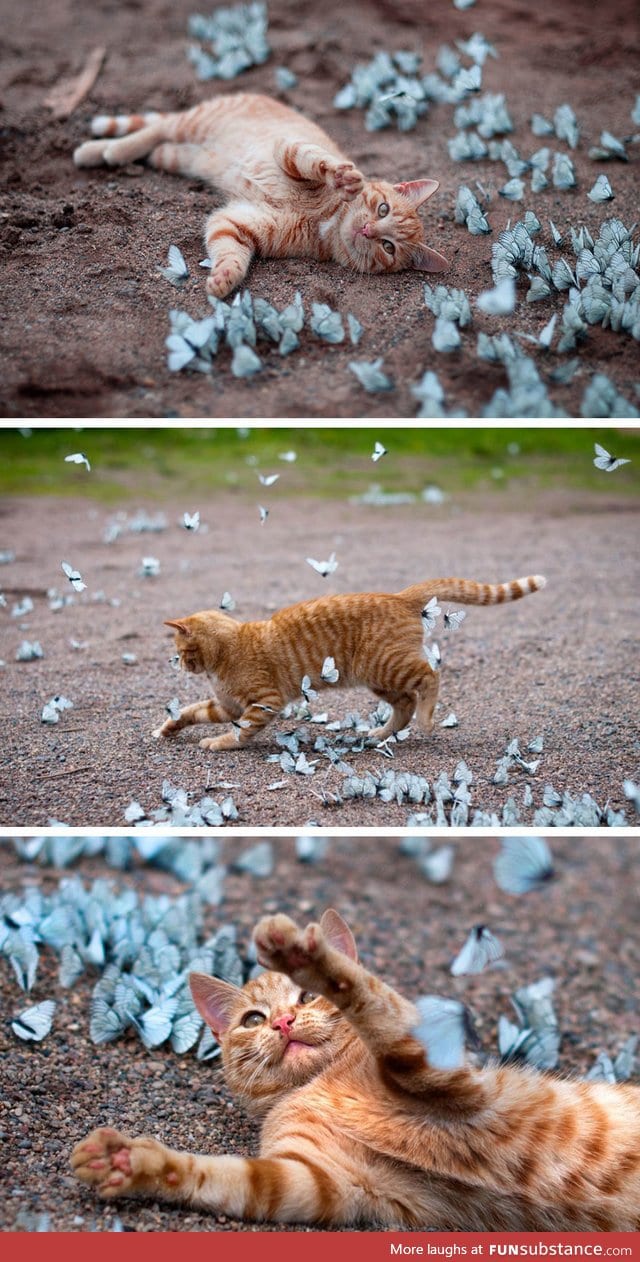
(582, 930)
(86, 313)
(561, 663)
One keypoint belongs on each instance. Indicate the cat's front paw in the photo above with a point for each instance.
(116, 1165)
(285, 948)
(347, 179)
(226, 741)
(223, 280)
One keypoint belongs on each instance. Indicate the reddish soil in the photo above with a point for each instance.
(86, 313)
(582, 929)
(559, 663)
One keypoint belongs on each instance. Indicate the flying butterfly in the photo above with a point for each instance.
(603, 460)
(433, 655)
(177, 271)
(268, 479)
(329, 674)
(191, 521)
(324, 567)
(454, 618)
(78, 457)
(430, 615)
(524, 864)
(227, 603)
(444, 1026)
(480, 949)
(33, 1024)
(74, 576)
(264, 513)
(378, 452)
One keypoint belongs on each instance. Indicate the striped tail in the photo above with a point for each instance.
(121, 124)
(465, 592)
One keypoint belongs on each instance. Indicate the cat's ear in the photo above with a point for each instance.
(214, 1000)
(179, 626)
(417, 191)
(338, 933)
(425, 260)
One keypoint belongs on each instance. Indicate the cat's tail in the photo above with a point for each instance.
(465, 592)
(122, 124)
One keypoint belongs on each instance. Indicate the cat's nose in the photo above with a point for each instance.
(366, 230)
(283, 1024)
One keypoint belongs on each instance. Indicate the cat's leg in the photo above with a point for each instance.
(302, 161)
(255, 716)
(275, 1188)
(401, 715)
(136, 144)
(211, 711)
(233, 235)
(190, 160)
(383, 1019)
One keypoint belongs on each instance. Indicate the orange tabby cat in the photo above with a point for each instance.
(375, 639)
(359, 1130)
(294, 193)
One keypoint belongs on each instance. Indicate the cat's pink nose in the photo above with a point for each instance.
(366, 230)
(283, 1024)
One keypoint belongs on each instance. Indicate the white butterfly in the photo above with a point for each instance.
(324, 567)
(78, 457)
(454, 618)
(268, 479)
(499, 301)
(442, 1030)
(289, 457)
(33, 1024)
(191, 521)
(74, 576)
(430, 614)
(524, 864)
(307, 691)
(177, 272)
(378, 452)
(264, 513)
(601, 191)
(227, 603)
(480, 949)
(329, 674)
(433, 655)
(186, 1030)
(437, 865)
(154, 1026)
(149, 567)
(450, 721)
(605, 461)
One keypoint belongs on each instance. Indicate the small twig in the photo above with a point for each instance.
(66, 95)
(68, 771)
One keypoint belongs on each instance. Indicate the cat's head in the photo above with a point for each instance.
(382, 231)
(274, 1036)
(200, 639)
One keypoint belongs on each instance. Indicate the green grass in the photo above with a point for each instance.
(156, 464)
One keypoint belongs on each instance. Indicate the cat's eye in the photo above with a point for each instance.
(307, 996)
(253, 1018)
(383, 210)
(389, 247)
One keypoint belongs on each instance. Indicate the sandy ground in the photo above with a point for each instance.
(561, 664)
(86, 313)
(582, 930)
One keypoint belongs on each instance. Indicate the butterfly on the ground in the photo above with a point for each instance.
(74, 576)
(454, 618)
(378, 452)
(430, 614)
(177, 271)
(191, 521)
(603, 460)
(33, 1024)
(329, 674)
(324, 567)
(523, 864)
(78, 457)
(264, 513)
(480, 949)
(268, 479)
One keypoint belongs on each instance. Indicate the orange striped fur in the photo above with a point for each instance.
(375, 639)
(293, 192)
(359, 1130)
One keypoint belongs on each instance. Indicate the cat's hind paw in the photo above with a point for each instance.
(112, 1163)
(347, 179)
(168, 728)
(90, 154)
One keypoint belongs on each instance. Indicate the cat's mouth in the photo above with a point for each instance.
(296, 1047)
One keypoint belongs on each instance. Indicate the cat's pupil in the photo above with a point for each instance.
(389, 247)
(306, 996)
(253, 1018)
(383, 209)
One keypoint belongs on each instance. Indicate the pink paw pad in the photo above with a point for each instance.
(121, 1160)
